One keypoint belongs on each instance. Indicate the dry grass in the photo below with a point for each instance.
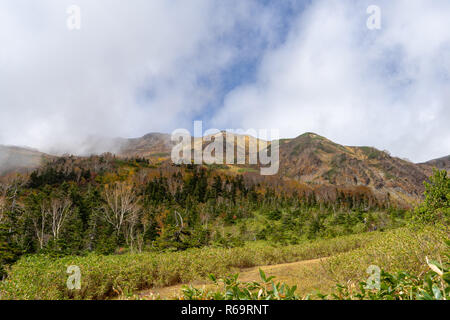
(402, 249)
(309, 276)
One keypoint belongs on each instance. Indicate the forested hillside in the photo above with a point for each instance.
(103, 203)
(140, 202)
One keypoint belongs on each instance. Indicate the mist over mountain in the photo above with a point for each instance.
(233, 64)
(20, 159)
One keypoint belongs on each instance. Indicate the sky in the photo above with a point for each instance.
(140, 66)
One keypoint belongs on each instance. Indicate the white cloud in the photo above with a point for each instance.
(138, 66)
(386, 88)
(134, 67)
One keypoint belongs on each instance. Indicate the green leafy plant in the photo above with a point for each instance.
(233, 289)
(432, 285)
(436, 206)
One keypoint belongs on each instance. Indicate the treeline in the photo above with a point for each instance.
(104, 204)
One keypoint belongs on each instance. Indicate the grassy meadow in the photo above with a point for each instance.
(104, 277)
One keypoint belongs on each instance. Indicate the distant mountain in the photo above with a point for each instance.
(314, 159)
(309, 159)
(152, 144)
(160, 144)
(20, 159)
(441, 163)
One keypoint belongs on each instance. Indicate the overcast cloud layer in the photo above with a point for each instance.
(143, 66)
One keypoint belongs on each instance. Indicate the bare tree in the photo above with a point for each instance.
(9, 192)
(3, 201)
(122, 206)
(145, 222)
(51, 216)
(39, 220)
(130, 227)
(59, 210)
(204, 216)
(179, 226)
(3, 206)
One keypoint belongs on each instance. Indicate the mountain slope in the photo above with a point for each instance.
(160, 145)
(152, 144)
(316, 160)
(308, 159)
(441, 163)
(20, 159)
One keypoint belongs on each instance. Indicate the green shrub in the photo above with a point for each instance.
(436, 206)
(432, 285)
(398, 250)
(233, 289)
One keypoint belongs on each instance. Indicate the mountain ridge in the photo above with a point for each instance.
(308, 158)
(439, 163)
(20, 159)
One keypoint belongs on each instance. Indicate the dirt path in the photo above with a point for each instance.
(307, 275)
